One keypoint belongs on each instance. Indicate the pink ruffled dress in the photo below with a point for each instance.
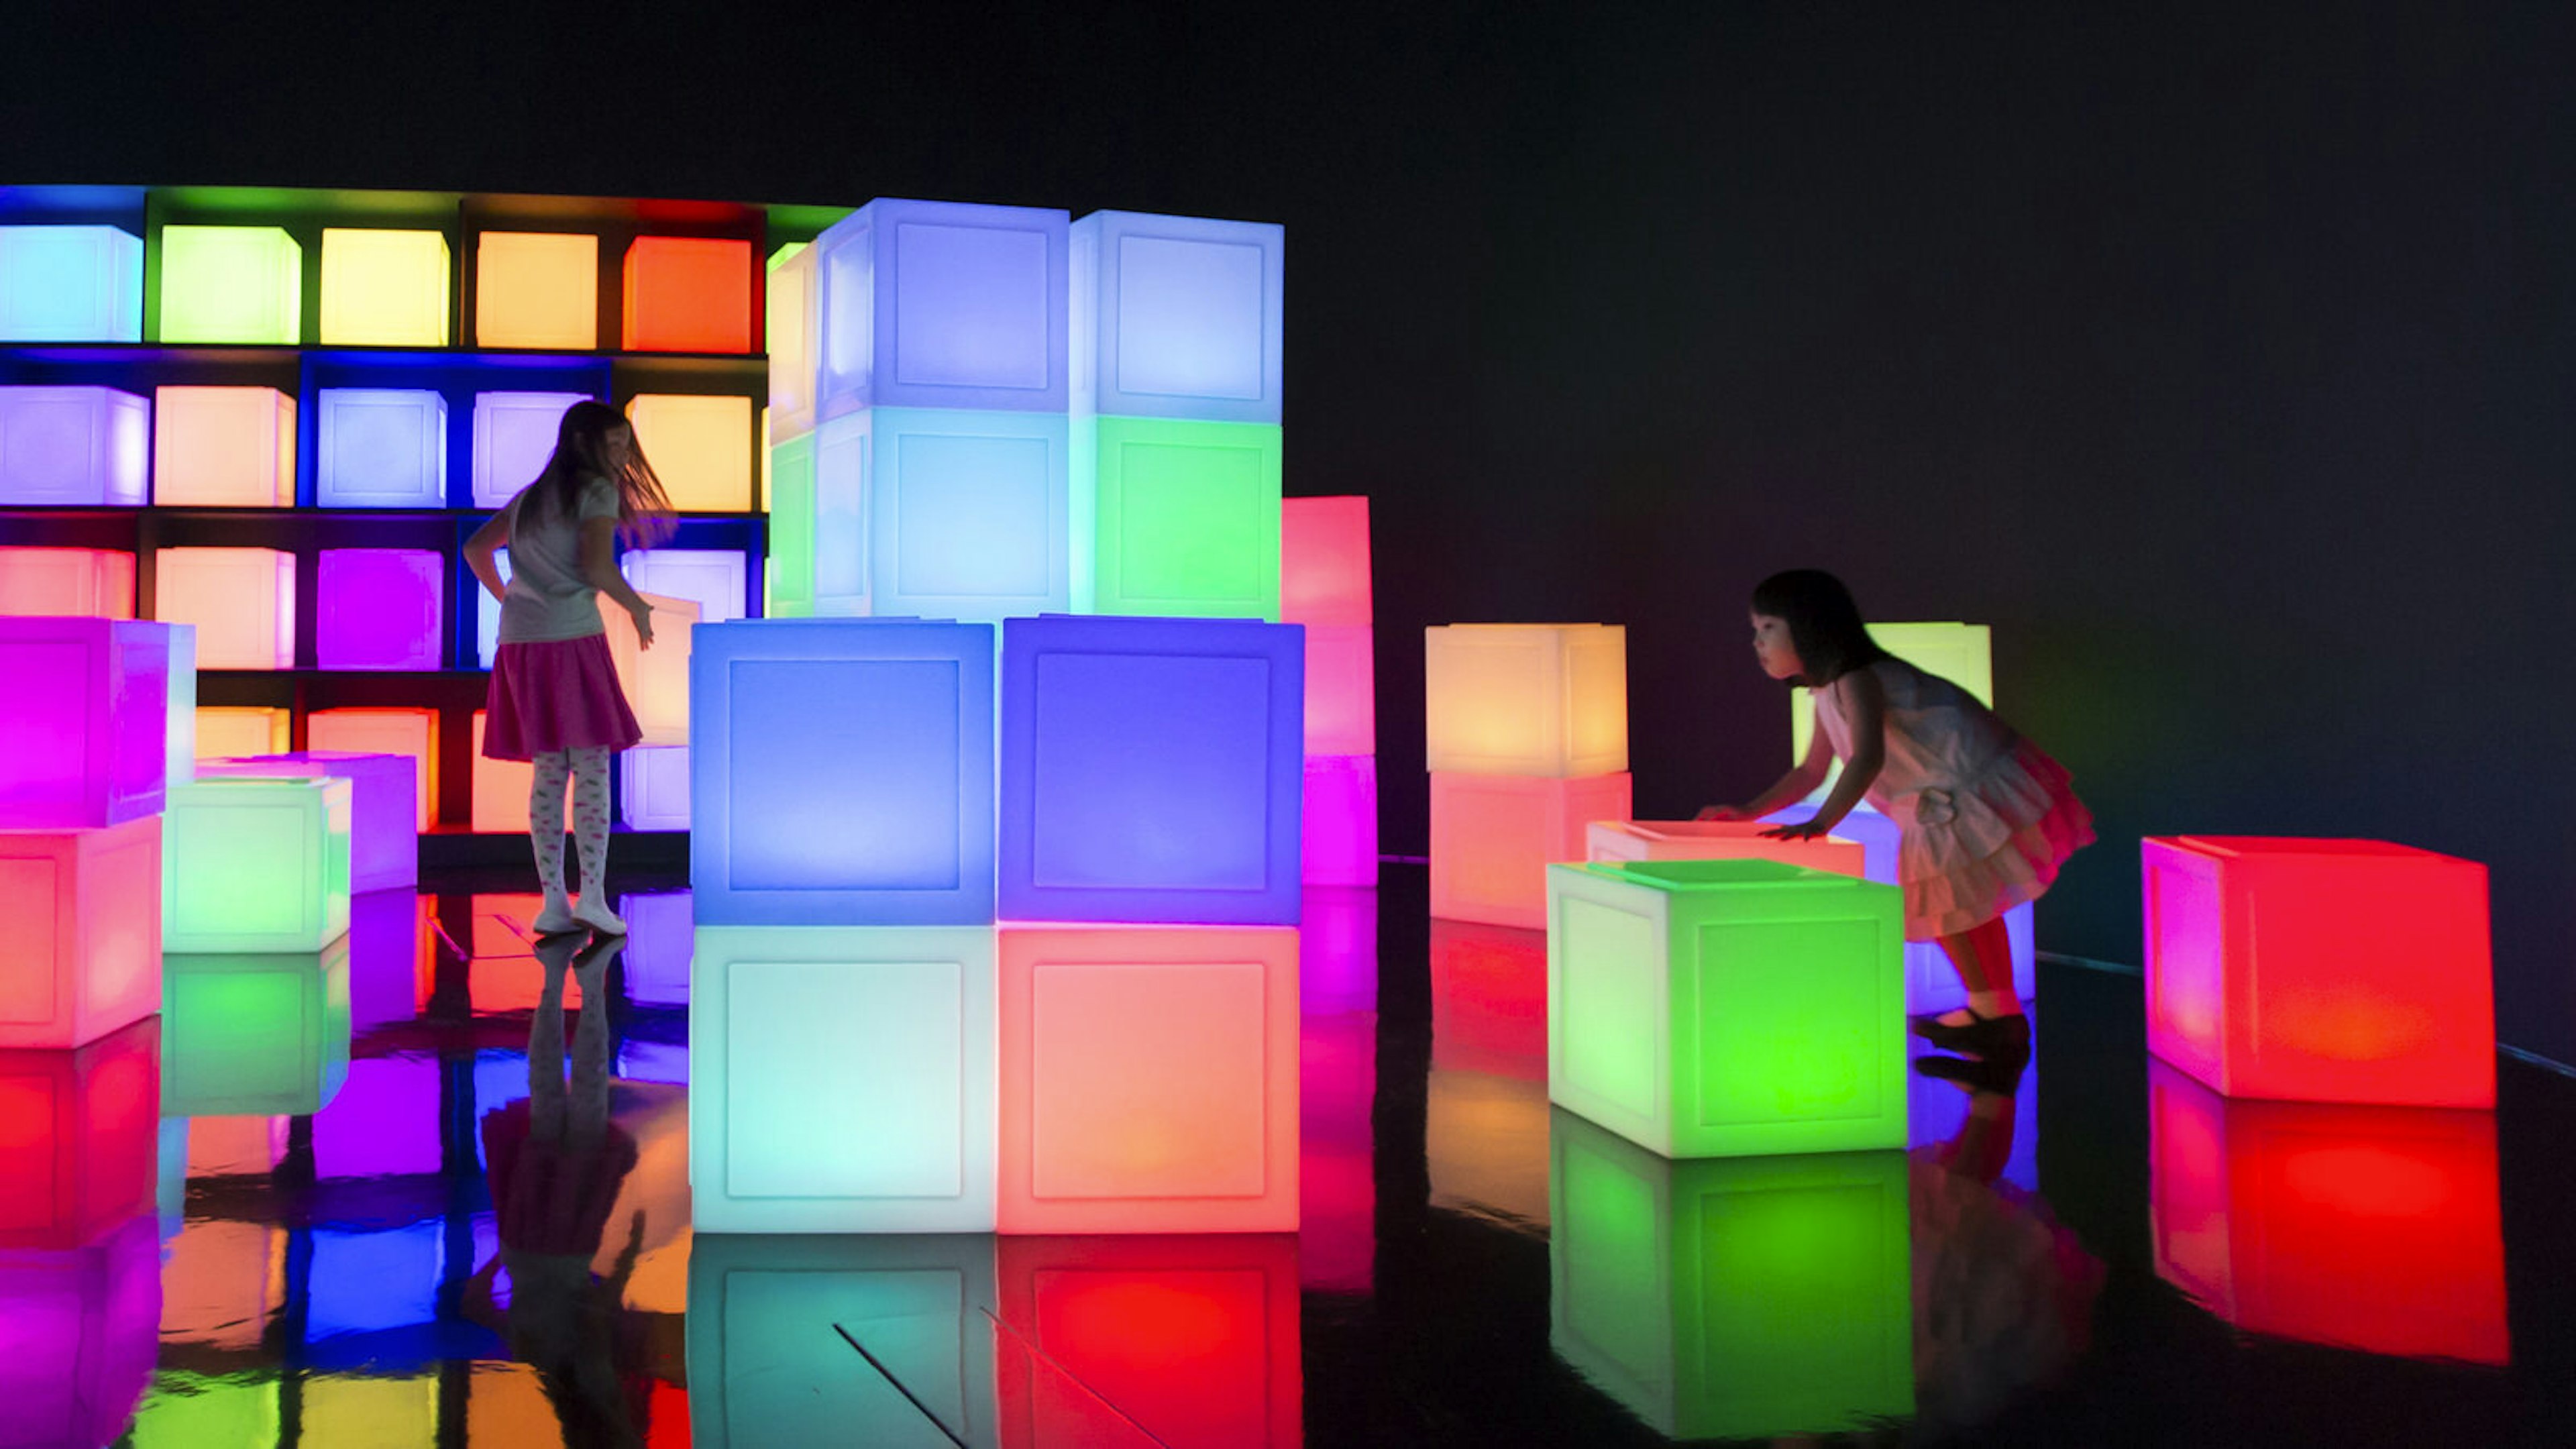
(1987, 818)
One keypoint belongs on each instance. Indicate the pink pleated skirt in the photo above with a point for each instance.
(558, 694)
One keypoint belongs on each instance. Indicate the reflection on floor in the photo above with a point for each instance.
(431, 1188)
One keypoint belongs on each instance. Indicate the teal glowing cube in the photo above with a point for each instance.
(1176, 518)
(842, 458)
(967, 512)
(1727, 1008)
(70, 284)
(256, 1034)
(788, 574)
(1747, 1298)
(255, 865)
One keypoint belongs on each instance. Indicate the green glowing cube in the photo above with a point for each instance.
(263, 1034)
(1175, 518)
(1727, 1008)
(255, 865)
(789, 571)
(1749, 1297)
(242, 284)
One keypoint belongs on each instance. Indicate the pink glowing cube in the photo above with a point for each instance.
(242, 601)
(81, 1148)
(1324, 562)
(223, 447)
(84, 733)
(1494, 836)
(378, 608)
(82, 447)
(2320, 970)
(384, 830)
(501, 789)
(1341, 690)
(86, 582)
(1340, 820)
(1622, 840)
(1149, 1079)
(82, 952)
(79, 1335)
(408, 732)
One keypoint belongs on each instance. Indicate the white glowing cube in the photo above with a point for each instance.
(381, 448)
(656, 680)
(962, 514)
(84, 582)
(254, 1033)
(256, 865)
(937, 304)
(653, 790)
(1177, 317)
(74, 447)
(794, 302)
(223, 447)
(1527, 699)
(843, 1079)
(712, 578)
(83, 952)
(180, 733)
(700, 446)
(514, 436)
(70, 284)
(241, 600)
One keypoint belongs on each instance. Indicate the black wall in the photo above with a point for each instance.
(2219, 360)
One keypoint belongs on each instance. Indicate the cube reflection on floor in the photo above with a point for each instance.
(82, 1148)
(262, 1033)
(223, 447)
(1176, 518)
(255, 865)
(2262, 1210)
(1337, 1152)
(82, 953)
(391, 956)
(74, 447)
(536, 289)
(1339, 821)
(241, 600)
(384, 833)
(409, 732)
(370, 1279)
(1177, 317)
(70, 284)
(1747, 1298)
(238, 284)
(1727, 1007)
(2369, 979)
(89, 582)
(381, 448)
(384, 1123)
(514, 435)
(1527, 699)
(1493, 837)
(943, 305)
(83, 742)
(79, 1336)
(843, 1079)
(379, 608)
(218, 1280)
(383, 288)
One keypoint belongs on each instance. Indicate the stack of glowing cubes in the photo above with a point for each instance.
(1527, 735)
(384, 805)
(1324, 585)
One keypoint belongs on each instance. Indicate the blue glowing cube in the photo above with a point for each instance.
(514, 435)
(258, 1034)
(1177, 317)
(70, 284)
(74, 446)
(1176, 517)
(966, 512)
(841, 772)
(838, 581)
(653, 788)
(936, 304)
(1152, 770)
(381, 448)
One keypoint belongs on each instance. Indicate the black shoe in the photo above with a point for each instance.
(1979, 1035)
(2000, 1074)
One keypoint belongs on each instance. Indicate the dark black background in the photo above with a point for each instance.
(2217, 356)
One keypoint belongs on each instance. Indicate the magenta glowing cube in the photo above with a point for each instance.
(1341, 820)
(1177, 317)
(83, 737)
(514, 435)
(80, 1331)
(935, 304)
(74, 446)
(81, 955)
(378, 608)
(384, 821)
(381, 448)
(1337, 951)
(653, 788)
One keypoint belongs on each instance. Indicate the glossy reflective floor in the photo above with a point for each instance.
(2104, 1255)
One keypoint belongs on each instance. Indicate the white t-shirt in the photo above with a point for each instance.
(548, 597)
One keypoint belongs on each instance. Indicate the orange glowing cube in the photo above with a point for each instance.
(242, 601)
(501, 789)
(412, 732)
(1620, 840)
(655, 680)
(537, 289)
(701, 445)
(688, 294)
(80, 1151)
(82, 953)
(2376, 1228)
(1324, 561)
(226, 732)
(1149, 1079)
(223, 447)
(794, 302)
(2320, 970)
(1341, 690)
(1494, 836)
(83, 582)
(1526, 699)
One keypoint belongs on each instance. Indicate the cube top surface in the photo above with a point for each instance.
(2259, 847)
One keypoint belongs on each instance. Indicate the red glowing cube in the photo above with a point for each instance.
(88, 582)
(2376, 1228)
(1149, 1079)
(79, 1138)
(84, 733)
(81, 955)
(1324, 561)
(688, 294)
(2320, 970)
(1494, 836)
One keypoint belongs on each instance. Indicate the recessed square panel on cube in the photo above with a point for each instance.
(88, 582)
(1176, 517)
(70, 284)
(1151, 770)
(536, 289)
(700, 445)
(241, 600)
(967, 512)
(82, 1151)
(238, 284)
(935, 304)
(379, 608)
(82, 956)
(1493, 837)
(384, 809)
(688, 294)
(514, 436)
(83, 740)
(254, 1033)
(86, 447)
(384, 288)
(1324, 561)
(255, 865)
(1177, 316)
(223, 447)
(408, 732)
(381, 448)
(1339, 820)
(1526, 699)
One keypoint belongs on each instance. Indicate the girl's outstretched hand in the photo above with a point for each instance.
(1722, 812)
(1798, 830)
(642, 614)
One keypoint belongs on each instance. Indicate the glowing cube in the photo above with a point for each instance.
(79, 1337)
(788, 572)
(1742, 1299)
(965, 513)
(1148, 1080)
(89, 582)
(1324, 561)
(1931, 982)
(381, 448)
(70, 284)
(378, 608)
(700, 445)
(842, 773)
(653, 789)
(384, 1123)
(1484, 1142)
(882, 1038)
(241, 600)
(1489, 1000)
(83, 953)
(1960, 653)
(1151, 770)
(1182, 1340)
(82, 1150)
(514, 436)
(232, 731)
(1337, 951)
(410, 732)
(794, 306)
(1615, 841)
(384, 288)
(2320, 970)
(365, 1407)
(655, 680)
(255, 865)
(711, 578)
(1177, 317)
(1341, 690)
(1527, 699)
(501, 789)
(487, 613)
(1727, 1008)
(536, 289)
(1493, 837)
(384, 818)
(2261, 1210)
(179, 739)
(74, 446)
(259, 1033)
(767, 1368)
(935, 304)
(1176, 518)
(242, 284)
(83, 738)
(223, 447)
(1339, 821)
(688, 294)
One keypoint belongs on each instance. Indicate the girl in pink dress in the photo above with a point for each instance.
(1986, 817)
(554, 698)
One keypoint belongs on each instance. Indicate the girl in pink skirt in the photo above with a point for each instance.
(1986, 817)
(554, 697)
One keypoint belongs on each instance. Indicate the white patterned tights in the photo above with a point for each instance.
(587, 771)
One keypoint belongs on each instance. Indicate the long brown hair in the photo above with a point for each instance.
(1824, 624)
(581, 454)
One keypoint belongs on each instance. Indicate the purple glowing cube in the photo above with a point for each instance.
(381, 448)
(1151, 770)
(384, 822)
(1177, 317)
(384, 1123)
(378, 608)
(83, 737)
(936, 304)
(1341, 820)
(80, 1330)
(661, 930)
(75, 446)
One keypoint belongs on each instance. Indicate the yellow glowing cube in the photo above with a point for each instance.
(701, 445)
(1960, 653)
(411, 732)
(500, 789)
(223, 447)
(384, 288)
(226, 732)
(242, 601)
(537, 289)
(1527, 699)
(656, 680)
